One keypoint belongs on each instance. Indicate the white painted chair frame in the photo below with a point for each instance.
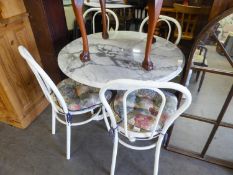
(98, 11)
(166, 19)
(49, 87)
(132, 85)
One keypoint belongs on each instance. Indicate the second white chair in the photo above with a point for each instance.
(167, 20)
(142, 111)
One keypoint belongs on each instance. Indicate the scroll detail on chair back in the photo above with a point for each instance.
(68, 98)
(98, 11)
(142, 111)
(167, 20)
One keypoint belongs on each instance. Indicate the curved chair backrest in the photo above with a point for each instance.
(98, 11)
(44, 80)
(167, 20)
(132, 85)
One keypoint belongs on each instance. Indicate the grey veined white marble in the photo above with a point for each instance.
(120, 57)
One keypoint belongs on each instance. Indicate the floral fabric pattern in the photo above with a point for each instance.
(78, 96)
(142, 109)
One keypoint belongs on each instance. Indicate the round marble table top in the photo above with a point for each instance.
(120, 57)
(112, 5)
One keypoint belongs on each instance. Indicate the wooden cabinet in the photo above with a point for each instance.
(10, 8)
(21, 98)
(47, 19)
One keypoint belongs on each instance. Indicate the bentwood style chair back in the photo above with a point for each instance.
(167, 20)
(68, 98)
(188, 17)
(142, 110)
(98, 11)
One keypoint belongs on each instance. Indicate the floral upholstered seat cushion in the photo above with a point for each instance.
(78, 96)
(142, 109)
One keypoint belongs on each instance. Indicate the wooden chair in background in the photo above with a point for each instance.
(188, 17)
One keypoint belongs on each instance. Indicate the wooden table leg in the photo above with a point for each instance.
(154, 7)
(78, 10)
(104, 19)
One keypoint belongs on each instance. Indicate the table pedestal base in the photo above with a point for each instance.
(154, 7)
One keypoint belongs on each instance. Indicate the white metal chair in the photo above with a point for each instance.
(167, 20)
(142, 111)
(98, 11)
(68, 98)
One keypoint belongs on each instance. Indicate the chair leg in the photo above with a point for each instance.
(54, 114)
(197, 76)
(105, 118)
(157, 153)
(114, 154)
(201, 81)
(68, 141)
(189, 77)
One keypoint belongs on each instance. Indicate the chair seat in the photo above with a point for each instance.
(78, 96)
(142, 108)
